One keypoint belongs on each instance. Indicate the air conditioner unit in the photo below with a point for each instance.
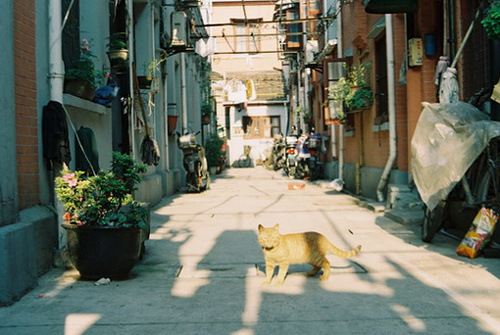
(311, 51)
(180, 33)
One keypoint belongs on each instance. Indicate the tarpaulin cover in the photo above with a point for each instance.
(447, 140)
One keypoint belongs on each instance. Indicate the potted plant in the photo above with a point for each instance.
(206, 113)
(214, 153)
(105, 226)
(491, 21)
(150, 69)
(83, 79)
(360, 99)
(118, 49)
(352, 90)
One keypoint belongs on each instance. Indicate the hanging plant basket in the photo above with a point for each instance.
(205, 119)
(79, 88)
(117, 57)
(144, 82)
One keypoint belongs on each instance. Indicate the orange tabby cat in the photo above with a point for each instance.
(309, 247)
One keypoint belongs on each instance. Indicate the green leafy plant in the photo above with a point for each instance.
(213, 150)
(151, 67)
(361, 98)
(491, 21)
(85, 68)
(352, 90)
(104, 199)
(117, 41)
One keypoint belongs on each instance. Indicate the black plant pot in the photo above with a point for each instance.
(103, 252)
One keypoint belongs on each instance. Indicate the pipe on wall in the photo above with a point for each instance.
(56, 69)
(340, 53)
(130, 32)
(184, 93)
(391, 106)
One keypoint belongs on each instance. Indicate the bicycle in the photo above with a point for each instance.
(479, 187)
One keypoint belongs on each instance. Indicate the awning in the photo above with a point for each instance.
(390, 6)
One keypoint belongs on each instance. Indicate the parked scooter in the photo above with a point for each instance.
(279, 156)
(303, 156)
(290, 155)
(315, 166)
(195, 162)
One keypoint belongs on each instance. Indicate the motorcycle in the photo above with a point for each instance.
(290, 155)
(303, 157)
(315, 166)
(278, 152)
(194, 161)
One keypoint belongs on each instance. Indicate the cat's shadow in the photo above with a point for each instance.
(346, 266)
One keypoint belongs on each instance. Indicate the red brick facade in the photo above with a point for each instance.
(25, 100)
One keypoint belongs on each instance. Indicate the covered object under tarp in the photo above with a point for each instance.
(447, 140)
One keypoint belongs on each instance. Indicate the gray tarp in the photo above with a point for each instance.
(447, 140)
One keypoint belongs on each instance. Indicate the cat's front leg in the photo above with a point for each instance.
(269, 273)
(282, 273)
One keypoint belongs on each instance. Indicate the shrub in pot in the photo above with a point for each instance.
(105, 226)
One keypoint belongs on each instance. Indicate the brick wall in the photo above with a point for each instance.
(25, 99)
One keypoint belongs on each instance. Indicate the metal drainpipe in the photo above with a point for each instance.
(56, 69)
(183, 93)
(340, 53)
(56, 83)
(130, 30)
(391, 106)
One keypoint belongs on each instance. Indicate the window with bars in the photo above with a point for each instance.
(261, 126)
(247, 35)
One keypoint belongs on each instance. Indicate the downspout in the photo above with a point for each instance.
(391, 106)
(165, 106)
(340, 53)
(183, 94)
(130, 30)
(451, 17)
(56, 83)
(56, 69)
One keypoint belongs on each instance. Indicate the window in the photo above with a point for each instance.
(381, 81)
(247, 35)
(261, 126)
(293, 40)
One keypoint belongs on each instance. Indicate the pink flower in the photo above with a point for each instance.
(70, 179)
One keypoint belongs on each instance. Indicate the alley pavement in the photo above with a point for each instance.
(203, 268)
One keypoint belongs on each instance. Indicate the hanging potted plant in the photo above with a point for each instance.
(117, 49)
(84, 78)
(150, 69)
(105, 226)
(491, 21)
(206, 113)
(360, 99)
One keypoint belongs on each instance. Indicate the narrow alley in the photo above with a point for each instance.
(203, 268)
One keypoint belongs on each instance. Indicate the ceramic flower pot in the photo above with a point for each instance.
(117, 57)
(103, 252)
(79, 88)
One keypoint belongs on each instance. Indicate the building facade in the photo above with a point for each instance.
(44, 42)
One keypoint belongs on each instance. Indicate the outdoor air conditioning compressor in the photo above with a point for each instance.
(180, 31)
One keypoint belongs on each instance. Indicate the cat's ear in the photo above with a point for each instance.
(277, 226)
(261, 227)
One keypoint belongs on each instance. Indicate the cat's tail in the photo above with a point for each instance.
(344, 254)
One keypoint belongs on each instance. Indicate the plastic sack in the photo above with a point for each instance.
(447, 140)
(479, 233)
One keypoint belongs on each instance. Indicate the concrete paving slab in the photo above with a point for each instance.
(203, 269)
